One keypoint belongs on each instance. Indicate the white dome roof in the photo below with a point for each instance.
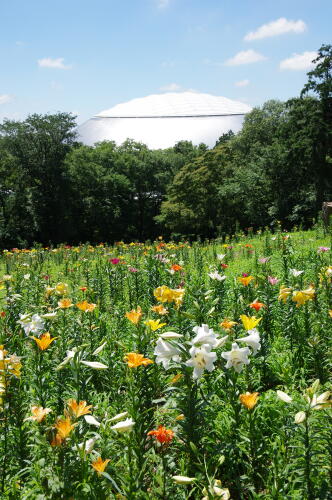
(176, 104)
(161, 120)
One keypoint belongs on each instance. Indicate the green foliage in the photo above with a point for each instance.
(277, 168)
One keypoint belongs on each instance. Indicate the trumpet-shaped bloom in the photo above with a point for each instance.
(237, 357)
(249, 400)
(216, 276)
(201, 359)
(252, 340)
(257, 305)
(165, 353)
(78, 409)
(159, 309)
(154, 324)
(64, 427)
(284, 293)
(295, 272)
(44, 341)
(65, 303)
(100, 465)
(33, 324)
(162, 435)
(227, 324)
(249, 322)
(302, 296)
(204, 335)
(39, 413)
(165, 294)
(245, 280)
(134, 316)
(135, 359)
(85, 306)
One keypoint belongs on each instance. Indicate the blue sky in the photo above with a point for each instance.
(84, 56)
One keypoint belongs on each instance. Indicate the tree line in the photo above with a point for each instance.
(278, 167)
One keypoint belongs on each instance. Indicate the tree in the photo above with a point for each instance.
(39, 146)
(320, 84)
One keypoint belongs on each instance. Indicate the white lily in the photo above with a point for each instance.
(165, 353)
(237, 357)
(204, 335)
(295, 273)
(252, 340)
(216, 276)
(33, 324)
(88, 445)
(201, 359)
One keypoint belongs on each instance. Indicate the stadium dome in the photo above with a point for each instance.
(161, 120)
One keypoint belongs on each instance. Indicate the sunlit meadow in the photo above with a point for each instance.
(168, 370)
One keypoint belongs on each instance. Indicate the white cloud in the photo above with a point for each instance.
(274, 28)
(57, 63)
(245, 57)
(4, 98)
(299, 62)
(172, 87)
(242, 83)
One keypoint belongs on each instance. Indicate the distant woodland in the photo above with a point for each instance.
(53, 189)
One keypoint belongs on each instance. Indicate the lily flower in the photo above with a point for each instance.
(295, 273)
(216, 276)
(249, 400)
(165, 353)
(204, 335)
(78, 409)
(44, 341)
(134, 316)
(237, 357)
(39, 413)
(201, 359)
(162, 435)
(252, 340)
(100, 465)
(135, 359)
(249, 322)
(33, 324)
(154, 324)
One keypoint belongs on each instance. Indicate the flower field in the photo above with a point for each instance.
(167, 370)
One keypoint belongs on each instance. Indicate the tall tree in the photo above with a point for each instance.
(320, 84)
(39, 146)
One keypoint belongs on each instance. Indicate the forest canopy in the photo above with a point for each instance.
(278, 167)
